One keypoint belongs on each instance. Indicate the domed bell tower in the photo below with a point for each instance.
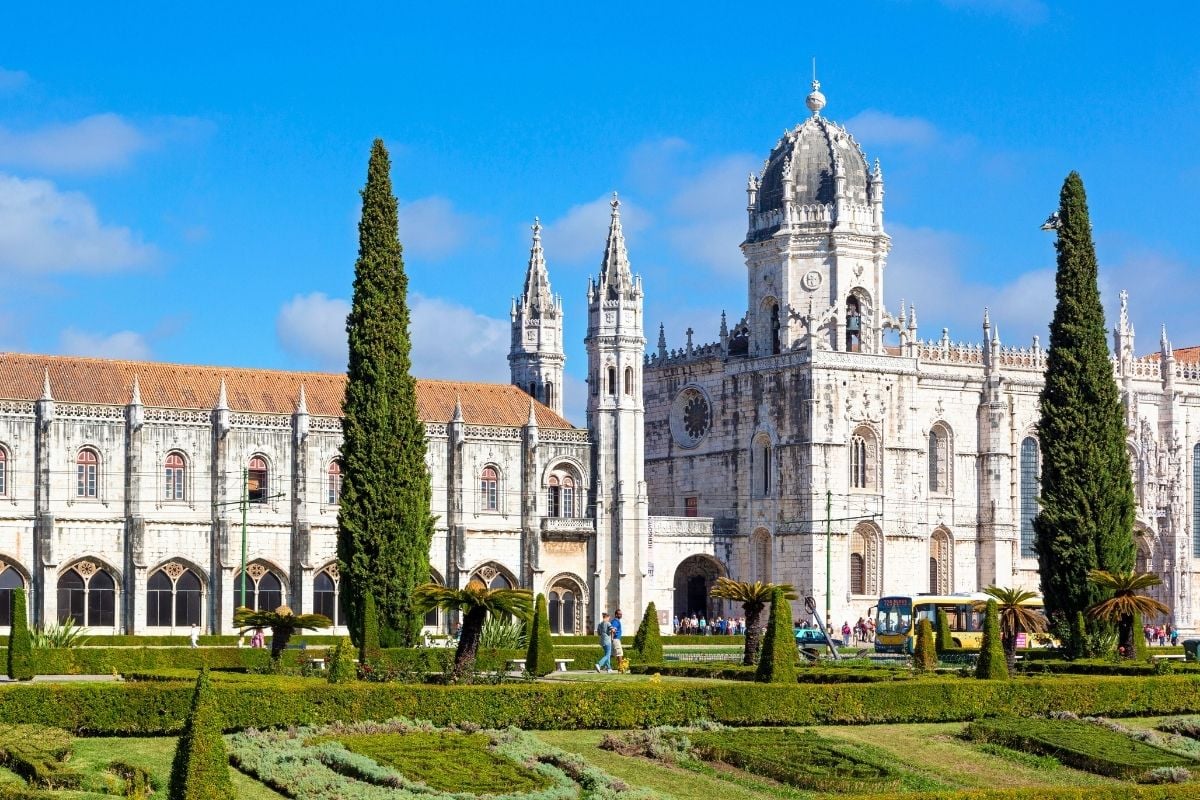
(815, 247)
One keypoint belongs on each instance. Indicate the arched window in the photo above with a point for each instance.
(9, 579)
(550, 394)
(1030, 472)
(333, 483)
(325, 594)
(87, 473)
(568, 496)
(264, 590)
(1196, 500)
(173, 597)
(257, 480)
(853, 324)
(500, 581)
(939, 460)
(173, 489)
(3, 472)
(861, 468)
(561, 489)
(433, 616)
(489, 489)
(760, 556)
(775, 342)
(612, 381)
(563, 606)
(864, 560)
(941, 563)
(629, 380)
(762, 452)
(87, 596)
(554, 497)
(1142, 561)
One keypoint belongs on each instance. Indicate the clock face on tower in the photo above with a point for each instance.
(691, 417)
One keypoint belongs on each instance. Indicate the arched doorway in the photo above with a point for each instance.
(694, 579)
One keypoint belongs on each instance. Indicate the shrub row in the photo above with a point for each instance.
(804, 674)
(1048, 654)
(121, 640)
(107, 660)
(1098, 667)
(148, 708)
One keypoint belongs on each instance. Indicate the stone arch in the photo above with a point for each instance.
(11, 562)
(859, 327)
(492, 573)
(187, 563)
(566, 603)
(326, 587)
(865, 558)
(1149, 557)
(864, 459)
(941, 458)
(171, 602)
(760, 555)
(561, 463)
(694, 579)
(941, 561)
(96, 561)
(771, 341)
(564, 487)
(12, 576)
(89, 591)
(257, 572)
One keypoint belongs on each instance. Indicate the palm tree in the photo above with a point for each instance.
(283, 622)
(754, 598)
(1126, 602)
(476, 601)
(1015, 617)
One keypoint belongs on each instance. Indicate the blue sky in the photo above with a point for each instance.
(182, 184)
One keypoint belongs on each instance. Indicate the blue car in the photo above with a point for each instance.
(810, 637)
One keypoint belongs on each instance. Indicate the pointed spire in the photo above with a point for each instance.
(135, 397)
(532, 421)
(724, 325)
(1165, 344)
(458, 412)
(996, 336)
(537, 294)
(302, 402)
(912, 317)
(987, 319)
(46, 395)
(615, 275)
(662, 341)
(222, 397)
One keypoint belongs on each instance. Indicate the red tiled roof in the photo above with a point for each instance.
(108, 382)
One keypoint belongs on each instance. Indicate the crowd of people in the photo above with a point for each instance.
(697, 624)
(1161, 635)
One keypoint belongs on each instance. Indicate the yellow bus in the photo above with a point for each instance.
(896, 619)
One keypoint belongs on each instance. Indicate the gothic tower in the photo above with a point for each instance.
(616, 348)
(536, 356)
(815, 248)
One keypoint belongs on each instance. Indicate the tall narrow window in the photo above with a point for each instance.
(3, 472)
(612, 381)
(554, 498)
(86, 596)
(550, 394)
(864, 559)
(764, 458)
(256, 480)
(334, 483)
(1196, 500)
(568, 496)
(853, 325)
(325, 594)
(173, 601)
(858, 572)
(489, 483)
(858, 462)
(1029, 495)
(691, 506)
(173, 490)
(555, 612)
(70, 598)
(933, 462)
(629, 380)
(87, 473)
(9, 579)
(775, 343)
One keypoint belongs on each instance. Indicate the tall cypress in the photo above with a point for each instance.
(1087, 506)
(384, 524)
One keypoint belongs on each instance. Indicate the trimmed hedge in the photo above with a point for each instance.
(107, 660)
(539, 656)
(160, 707)
(648, 641)
(200, 769)
(804, 674)
(777, 664)
(103, 640)
(19, 655)
(1103, 667)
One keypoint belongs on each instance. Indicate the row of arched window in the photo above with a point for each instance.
(562, 492)
(866, 561)
(175, 474)
(611, 385)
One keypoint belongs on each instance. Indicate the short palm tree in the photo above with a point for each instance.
(476, 602)
(283, 622)
(754, 598)
(1126, 602)
(1015, 616)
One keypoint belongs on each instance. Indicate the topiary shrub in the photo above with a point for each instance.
(539, 658)
(648, 640)
(778, 661)
(369, 650)
(1140, 651)
(924, 655)
(201, 767)
(992, 664)
(945, 639)
(20, 647)
(341, 667)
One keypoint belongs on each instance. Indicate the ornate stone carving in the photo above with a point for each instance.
(174, 569)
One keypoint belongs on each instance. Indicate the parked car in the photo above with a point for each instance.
(810, 637)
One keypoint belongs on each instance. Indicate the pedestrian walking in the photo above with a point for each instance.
(194, 636)
(604, 632)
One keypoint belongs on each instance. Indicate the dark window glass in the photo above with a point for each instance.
(9, 580)
(1029, 495)
(933, 576)
(158, 600)
(568, 612)
(187, 600)
(101, 600)
(555, 612)
(691, 506)
(270, 593)
(70, 598)
(858, 574)
(325, 596)
(500, 582)
(256, 480)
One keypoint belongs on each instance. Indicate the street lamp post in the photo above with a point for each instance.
(245, 507)
(828, 555)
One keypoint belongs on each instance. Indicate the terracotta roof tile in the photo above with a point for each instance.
(108, 382)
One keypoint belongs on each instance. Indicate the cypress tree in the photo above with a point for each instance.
(384, 524)
(1140, 651)
(778, 661)
(369, 651)
(992, 662)
(924, 654)
(945, 639)
(1087, 505)
(200, 770)
(648, 640)
(20, 646)
(539, 657)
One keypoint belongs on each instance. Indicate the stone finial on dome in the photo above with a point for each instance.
(815, 100)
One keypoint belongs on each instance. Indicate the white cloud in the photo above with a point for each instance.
(12, 79)
(47, 230)
(98, 142)
(313, 326)
(123, 344)
(709, 214)
(431, 228)
(881, 129)
(448, 340)
(579, 235)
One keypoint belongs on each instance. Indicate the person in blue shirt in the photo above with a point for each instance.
(616, 624)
